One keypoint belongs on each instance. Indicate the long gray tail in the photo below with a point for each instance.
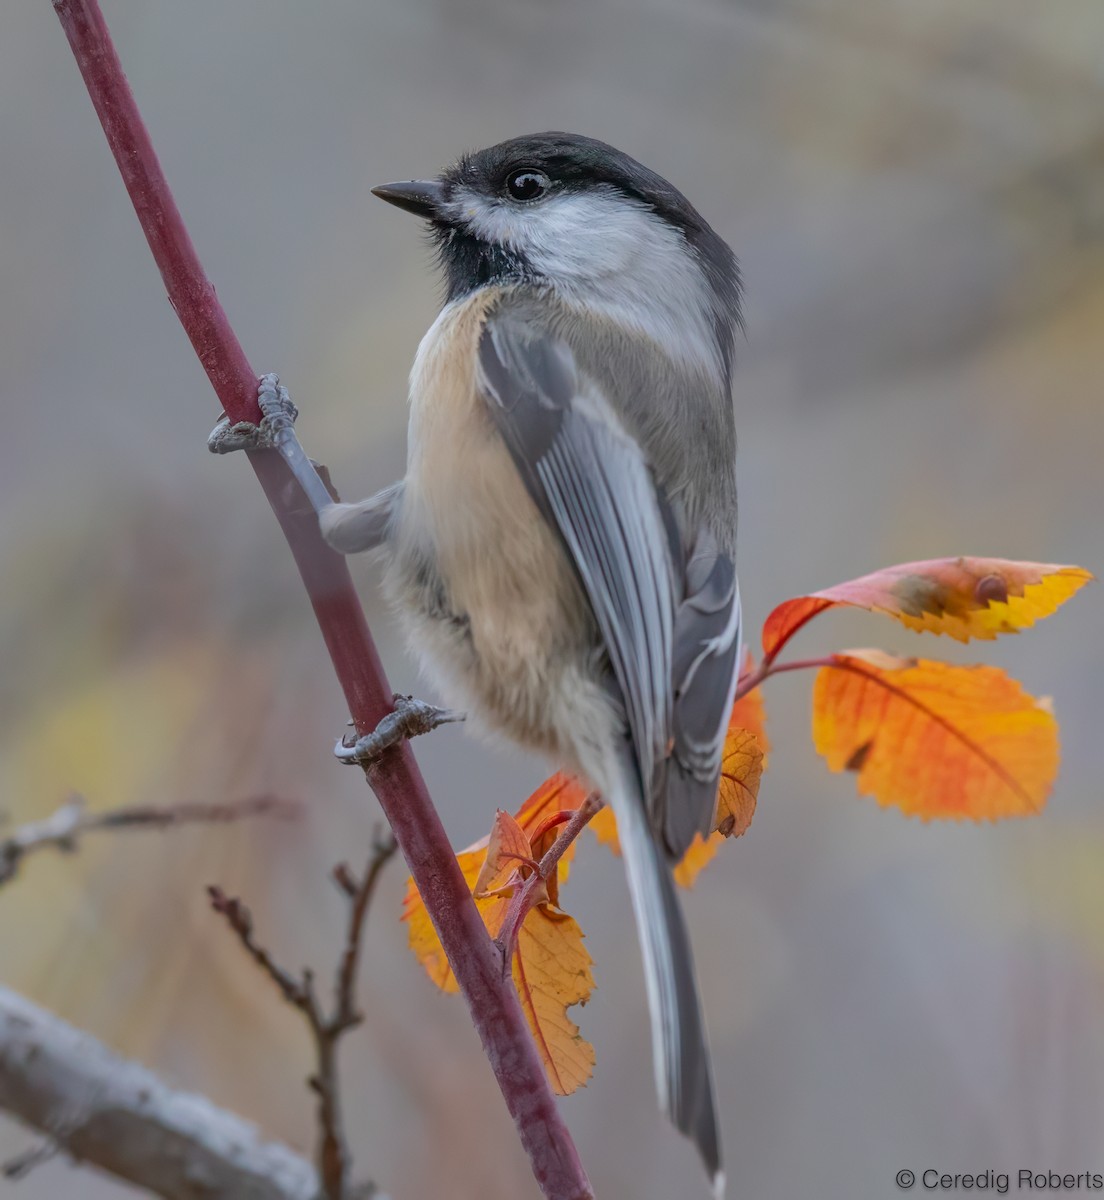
(683, 1074)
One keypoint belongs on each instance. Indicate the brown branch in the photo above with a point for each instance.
(332, 1156)
(492, 1001)
(360, 894)
(64, 828)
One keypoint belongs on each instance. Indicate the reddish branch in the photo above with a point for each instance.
(395, 778)
(332, 1158)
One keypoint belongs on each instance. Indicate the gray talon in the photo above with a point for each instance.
(275, 401)
(410, 719)
(242, 435)
(278, 415)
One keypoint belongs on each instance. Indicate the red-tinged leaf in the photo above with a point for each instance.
(749, 712)
(935, 740)
(559, 793)
(962, 597)
(508, 850)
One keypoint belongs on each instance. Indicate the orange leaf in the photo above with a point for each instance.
(560, 793)
(551, 967)
(742, 766)
(935, 740)
(508, 850)
(962, 597)
(741, 769)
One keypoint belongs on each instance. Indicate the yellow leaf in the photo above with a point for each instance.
(551, 973)
(604, 828)
(935, 740)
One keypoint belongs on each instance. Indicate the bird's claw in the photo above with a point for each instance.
(278, 414)
(410, 718)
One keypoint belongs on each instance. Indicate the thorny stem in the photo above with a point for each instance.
(333, 1159)
(526, 895)
(492, 1001)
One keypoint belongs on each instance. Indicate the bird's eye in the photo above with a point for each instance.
(527, 185)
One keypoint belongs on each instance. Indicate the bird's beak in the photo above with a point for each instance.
(422, 197)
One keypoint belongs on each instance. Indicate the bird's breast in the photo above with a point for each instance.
(491, 602)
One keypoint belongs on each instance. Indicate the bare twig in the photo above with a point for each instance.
(526, 895)
(117, 1115)
(332, 1156)
(63, 828)
(476, 963)
(360, 894)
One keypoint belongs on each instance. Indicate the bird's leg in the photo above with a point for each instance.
(277, 432)
(348, 528)
(410, 718)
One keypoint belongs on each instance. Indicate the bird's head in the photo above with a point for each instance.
(572, 213)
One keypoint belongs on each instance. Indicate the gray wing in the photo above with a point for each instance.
(704, 672)
(668, 613)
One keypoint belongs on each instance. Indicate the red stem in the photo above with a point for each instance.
(398, 784)
(768, 667)
(573, 824)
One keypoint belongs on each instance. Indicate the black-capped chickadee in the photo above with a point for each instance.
(561, 549)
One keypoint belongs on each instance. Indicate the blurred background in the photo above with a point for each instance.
(916, 193)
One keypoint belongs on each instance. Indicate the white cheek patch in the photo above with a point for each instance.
(606, 253)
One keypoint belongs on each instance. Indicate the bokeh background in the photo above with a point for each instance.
(916, 192)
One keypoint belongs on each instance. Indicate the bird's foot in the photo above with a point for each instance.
(278, 414)
(410, 718)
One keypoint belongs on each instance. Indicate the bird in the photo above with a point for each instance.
(561, 550)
